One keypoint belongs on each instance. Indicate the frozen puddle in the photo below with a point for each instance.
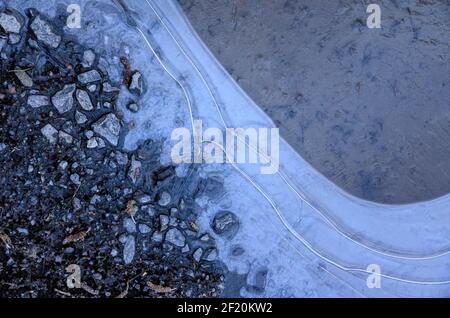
(366, 107)
(299, 235)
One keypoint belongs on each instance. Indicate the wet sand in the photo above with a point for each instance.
(368, 108)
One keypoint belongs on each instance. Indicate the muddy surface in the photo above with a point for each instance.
(71, 196)
(366, 107)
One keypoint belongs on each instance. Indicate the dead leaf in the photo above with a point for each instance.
(160, 289)
(126, 70)
(131, 207)
(80, 236)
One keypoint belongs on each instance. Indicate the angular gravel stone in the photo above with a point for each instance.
(144, 229)
(133, 107)
(75, 178)
(92, 143)
(22, 231)
(225, 223)
(129, 225)
(63, 100)
(44, 32)
(80, 118)
(37, 101)
(84, 100)
(136, 85)
(89, 77)
(63, 165)
(198, 255)
(129, 249)
(135, 170)
(109, 128)
(9, 23)
(50, 133)
(89, 134)
(175, 237)
(24, 78)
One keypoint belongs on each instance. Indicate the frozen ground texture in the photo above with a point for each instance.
(367, 108)
(299, 235)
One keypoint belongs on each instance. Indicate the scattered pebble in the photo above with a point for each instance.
(109, 128)
(136, 85)
(63, 100)
(10, 23)
(22, 231)
(89, 77)
(80, 118)
(135, 170)
(129, 249)
(175, 237)
(75, 178)
(36, 101)
(50, 133)
(225, 223)
(84, 100)
(92, 143)
(44, 32)
(24, 78)
(133, 107)
(144, 229)
(129, 225)
(198, 254)
(63, 165)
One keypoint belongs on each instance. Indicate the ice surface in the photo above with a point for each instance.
(298, 217)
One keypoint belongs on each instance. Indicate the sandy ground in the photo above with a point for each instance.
(368, 108)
